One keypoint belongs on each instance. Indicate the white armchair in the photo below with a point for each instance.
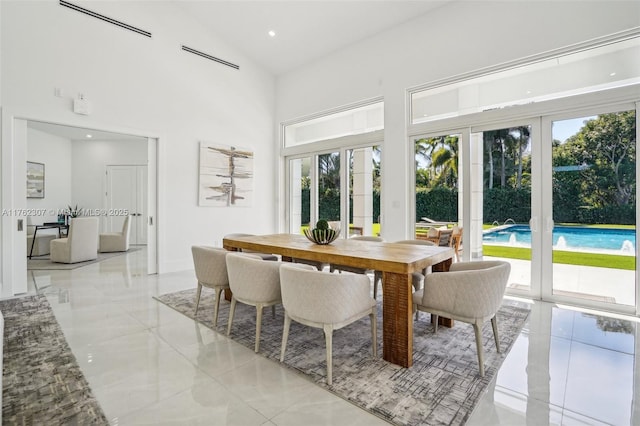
(325, 300)
(470, 292)
(81, 243)
(116, 241)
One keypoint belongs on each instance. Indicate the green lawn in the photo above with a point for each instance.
(566, 257)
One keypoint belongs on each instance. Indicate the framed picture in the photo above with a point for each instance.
(35, 180)
(226, 176)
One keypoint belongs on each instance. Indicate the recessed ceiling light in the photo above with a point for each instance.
(271, 33)
(89, 136)
(612, 74)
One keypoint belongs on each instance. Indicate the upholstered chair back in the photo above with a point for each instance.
(210, 265)
(252, 279)
(322, 297)
(470, 290)
(83, 238)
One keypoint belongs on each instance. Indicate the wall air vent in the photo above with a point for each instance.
(212, 58)
(104, 18)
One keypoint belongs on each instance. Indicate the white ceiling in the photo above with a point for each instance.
(305, 29)
(80, 134)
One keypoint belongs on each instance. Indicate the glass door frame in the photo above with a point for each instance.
(577, 105)
(464, 181)
(547, 207)
(541, 222)
(536, 191)
(346, 144)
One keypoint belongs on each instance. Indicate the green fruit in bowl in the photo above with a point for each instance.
(322, 233)
(322, 224)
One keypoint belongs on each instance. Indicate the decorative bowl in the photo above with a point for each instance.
(322, 236)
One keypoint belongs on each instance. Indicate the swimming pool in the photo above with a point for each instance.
(620, 241)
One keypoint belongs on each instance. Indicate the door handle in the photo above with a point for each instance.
(533, 224)
(550, 225)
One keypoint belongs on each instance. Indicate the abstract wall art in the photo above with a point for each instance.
(35, 180)
(226, 176)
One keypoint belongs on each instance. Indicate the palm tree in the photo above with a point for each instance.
(523, 132)
(329, 171)
(444, 160)
(440, 155)
(496, 139)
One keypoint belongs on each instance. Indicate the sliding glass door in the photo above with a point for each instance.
(437, 183)
(555, 196)
(592, 235)
(363, 180)
(501, 166)
(340, 186)
(300, 186)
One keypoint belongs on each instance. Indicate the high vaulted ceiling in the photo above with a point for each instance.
(305, 29)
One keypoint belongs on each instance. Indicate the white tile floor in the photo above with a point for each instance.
(148, 364)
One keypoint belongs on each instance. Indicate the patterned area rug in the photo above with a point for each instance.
(442, 386)
(41, 263)
(42, 383)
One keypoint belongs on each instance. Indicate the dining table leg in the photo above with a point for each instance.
(397, 319)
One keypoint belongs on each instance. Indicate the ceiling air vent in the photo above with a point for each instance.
(104, 18)
(212, 58)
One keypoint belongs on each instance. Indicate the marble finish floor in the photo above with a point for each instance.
(148, 364)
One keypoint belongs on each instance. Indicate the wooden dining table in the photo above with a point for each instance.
(396, 262)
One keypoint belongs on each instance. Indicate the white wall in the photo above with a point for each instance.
(459, 37)
(148, 87)
(90, 161)
(55, 153)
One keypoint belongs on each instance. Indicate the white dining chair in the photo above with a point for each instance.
(254, 282)
(470, 292)
(327, 301)
(211, 271)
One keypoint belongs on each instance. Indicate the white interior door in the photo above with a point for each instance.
(14, 202)
(126, 190)
(151, 206)
(141, 205)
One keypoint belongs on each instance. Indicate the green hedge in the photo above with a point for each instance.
(330, 206)
(439, 204)
(500, 204)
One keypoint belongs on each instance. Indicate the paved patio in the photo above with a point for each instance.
(605, 284)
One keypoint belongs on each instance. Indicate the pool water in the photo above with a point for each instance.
(568, 238)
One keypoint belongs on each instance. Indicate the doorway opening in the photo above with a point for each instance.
(74, 160)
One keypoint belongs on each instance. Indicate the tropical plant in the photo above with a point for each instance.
(73, 212)
(437, 162)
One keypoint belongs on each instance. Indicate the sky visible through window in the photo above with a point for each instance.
(564, 129)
